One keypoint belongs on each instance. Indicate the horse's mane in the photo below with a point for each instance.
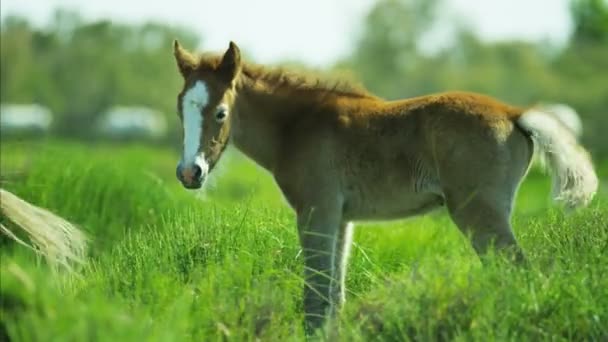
(291, 80)
(282, 77)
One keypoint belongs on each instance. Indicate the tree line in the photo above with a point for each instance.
(78, 69)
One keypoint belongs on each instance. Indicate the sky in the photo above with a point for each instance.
(316, 32)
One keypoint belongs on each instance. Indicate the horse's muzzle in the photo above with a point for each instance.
(192, 176)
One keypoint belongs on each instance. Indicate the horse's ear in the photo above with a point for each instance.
(230, 65)
(185, 60)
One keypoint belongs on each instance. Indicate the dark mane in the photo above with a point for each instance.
(290, 80)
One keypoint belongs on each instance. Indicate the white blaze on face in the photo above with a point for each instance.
(193, 102)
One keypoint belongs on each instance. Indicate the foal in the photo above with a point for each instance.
(341, 154)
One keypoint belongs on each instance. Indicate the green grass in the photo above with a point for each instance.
(171, 265)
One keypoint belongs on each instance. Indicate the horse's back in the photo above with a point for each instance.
(457, 102)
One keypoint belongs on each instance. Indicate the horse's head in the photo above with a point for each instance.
(204, 107)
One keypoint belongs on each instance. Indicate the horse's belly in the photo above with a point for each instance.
(392, 203)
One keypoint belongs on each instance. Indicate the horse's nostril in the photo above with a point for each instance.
(197, 171)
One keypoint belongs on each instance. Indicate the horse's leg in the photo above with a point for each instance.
(343, 244)
(319, 227)
(480, 180)
(485, 217)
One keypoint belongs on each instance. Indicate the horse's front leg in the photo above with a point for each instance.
(344, 241)
(319, 229)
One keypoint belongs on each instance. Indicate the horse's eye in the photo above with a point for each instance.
(221, 114)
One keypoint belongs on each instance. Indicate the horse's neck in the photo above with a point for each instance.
(255, 130)
(258, 126)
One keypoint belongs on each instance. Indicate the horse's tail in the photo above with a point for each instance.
(59, 241)
(574, 179)
(566, 115)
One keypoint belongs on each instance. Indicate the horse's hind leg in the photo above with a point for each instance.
(479, 180)
(481, 205)
(486, 219)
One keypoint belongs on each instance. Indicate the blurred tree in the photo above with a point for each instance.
(389, 61)
(387, 48)
(15, 59)
(81, 69)
(590, 21)
(583, 69)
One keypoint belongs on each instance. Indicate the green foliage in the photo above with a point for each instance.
(81, 69)
(388, 43)
(170, 265)
(591, 21)
(389, 61)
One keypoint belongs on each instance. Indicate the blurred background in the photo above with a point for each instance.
(89, 131)
(103, 70)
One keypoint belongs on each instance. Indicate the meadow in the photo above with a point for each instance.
(223, 264)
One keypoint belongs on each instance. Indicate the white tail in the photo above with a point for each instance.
(574, 179)
(566, 115)
(60, 242)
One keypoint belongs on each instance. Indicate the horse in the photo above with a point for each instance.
(340, 154)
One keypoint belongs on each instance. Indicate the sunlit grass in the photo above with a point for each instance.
(171, 265)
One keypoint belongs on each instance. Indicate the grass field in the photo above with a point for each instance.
(171, 265)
